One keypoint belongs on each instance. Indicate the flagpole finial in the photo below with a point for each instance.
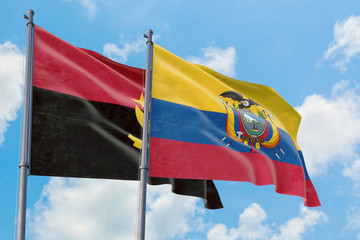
(149, 35)
(31, 12)
(30, 16)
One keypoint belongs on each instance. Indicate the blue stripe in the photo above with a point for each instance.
(183, 123)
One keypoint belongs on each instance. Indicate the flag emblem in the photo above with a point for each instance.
(249, 122)
(139, 116)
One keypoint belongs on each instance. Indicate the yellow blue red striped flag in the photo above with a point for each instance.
(205, 125)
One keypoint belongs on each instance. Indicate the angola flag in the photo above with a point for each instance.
(86, 118)
(208, 126)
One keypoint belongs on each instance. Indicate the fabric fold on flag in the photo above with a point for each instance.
(86, 118)
(205, 125)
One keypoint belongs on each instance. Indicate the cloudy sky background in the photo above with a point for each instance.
(308, 52)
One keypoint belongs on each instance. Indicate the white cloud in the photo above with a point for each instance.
(121, 54)
(107, 209)
(329, 129)
(339, 87)
(298, 226)
(346, 41)
(353, 218)
(90, 6)
(251, 223)
(170, 215)
(353, 172)
(11, 82)
(221, 60)
(252, 226)
(85, 209)
(220, 232)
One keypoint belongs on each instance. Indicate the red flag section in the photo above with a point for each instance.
(83, 118)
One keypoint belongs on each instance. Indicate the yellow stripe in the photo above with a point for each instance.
(176, 80)
(189, 84)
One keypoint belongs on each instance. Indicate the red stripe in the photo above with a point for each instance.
(61, 67)
(169, 158)
(311, 199)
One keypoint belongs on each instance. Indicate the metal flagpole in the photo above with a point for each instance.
(26, 131)
(144, 165)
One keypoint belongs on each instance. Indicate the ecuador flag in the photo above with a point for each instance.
(208, 126)
(84, 118)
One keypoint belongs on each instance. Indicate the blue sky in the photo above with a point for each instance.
(308, 51)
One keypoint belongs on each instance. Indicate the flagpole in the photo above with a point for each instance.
(144, 165)
(26, 130)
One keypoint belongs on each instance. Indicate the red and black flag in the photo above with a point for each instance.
(86, 118)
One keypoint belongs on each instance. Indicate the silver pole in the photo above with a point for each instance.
(26, 131)
(144, 165)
